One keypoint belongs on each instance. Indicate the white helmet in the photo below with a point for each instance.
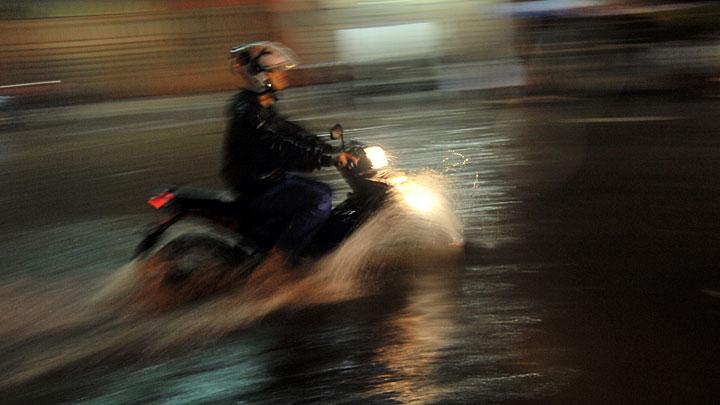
(254, 59)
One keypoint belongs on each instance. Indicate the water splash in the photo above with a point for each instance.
(85, 323)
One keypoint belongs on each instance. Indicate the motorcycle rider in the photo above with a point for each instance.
(261, 147)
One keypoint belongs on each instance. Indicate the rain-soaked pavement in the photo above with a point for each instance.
(590, 274)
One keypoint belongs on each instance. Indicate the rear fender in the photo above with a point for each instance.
(199, 220)
(154, 233)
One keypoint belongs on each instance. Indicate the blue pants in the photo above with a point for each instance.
(302, 204)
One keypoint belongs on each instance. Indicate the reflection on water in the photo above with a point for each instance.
(419, 334)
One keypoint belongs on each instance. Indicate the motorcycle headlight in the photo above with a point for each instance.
(377, 157)
(418, 197)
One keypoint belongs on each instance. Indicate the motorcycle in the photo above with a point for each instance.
(224, 243)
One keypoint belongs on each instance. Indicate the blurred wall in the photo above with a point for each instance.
(143, 50)
(102, 50)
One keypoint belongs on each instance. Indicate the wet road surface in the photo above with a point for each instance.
(590, 274)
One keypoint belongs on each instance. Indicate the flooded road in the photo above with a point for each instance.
(589, 276)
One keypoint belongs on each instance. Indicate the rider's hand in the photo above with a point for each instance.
(346, 159)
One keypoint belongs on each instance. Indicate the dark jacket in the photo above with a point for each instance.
(260, 146)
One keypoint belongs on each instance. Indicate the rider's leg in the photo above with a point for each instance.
(305, 203)
(313, 204)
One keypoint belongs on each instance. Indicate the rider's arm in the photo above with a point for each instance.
(295, 148)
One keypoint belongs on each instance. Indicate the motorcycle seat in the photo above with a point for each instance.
(224, 196)
(220, 201)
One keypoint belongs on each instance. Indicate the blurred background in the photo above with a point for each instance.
(76, 51)
(578, 140)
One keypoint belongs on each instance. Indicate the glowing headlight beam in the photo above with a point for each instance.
(397, 180)
(377, 157)
(418, 197)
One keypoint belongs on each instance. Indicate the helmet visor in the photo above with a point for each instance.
(277, 57)
(266, 55)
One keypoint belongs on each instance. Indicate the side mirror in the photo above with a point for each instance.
(336, 132)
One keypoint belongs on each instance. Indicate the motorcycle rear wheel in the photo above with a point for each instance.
(189, 268)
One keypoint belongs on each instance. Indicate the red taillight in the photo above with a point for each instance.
(161, 199)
